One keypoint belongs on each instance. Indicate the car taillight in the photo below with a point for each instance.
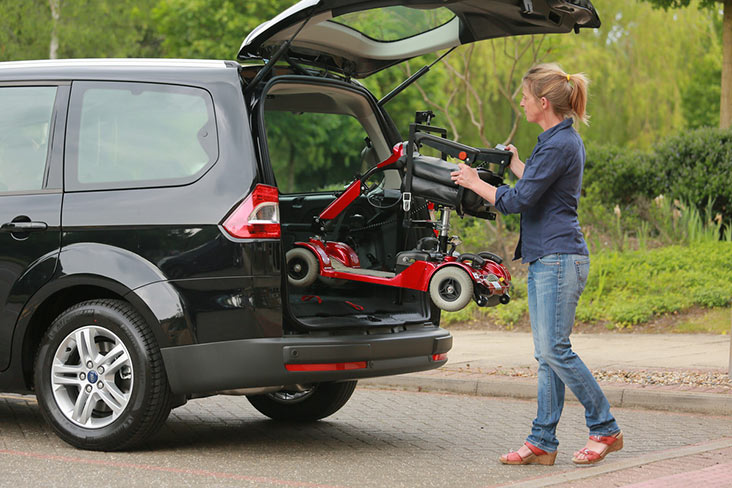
(257, 217)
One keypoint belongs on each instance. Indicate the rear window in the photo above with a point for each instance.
(138, 135)
(395, 23)
(25, 123)
(314, 152)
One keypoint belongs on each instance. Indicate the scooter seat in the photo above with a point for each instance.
(431, 180)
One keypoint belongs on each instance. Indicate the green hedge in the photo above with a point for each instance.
(695, 167)
(617, 176)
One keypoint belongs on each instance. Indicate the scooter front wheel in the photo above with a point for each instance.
(451, 288)
(302, 267)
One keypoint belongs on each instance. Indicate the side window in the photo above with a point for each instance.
(313, 152)
(138, 134)
(25, 123)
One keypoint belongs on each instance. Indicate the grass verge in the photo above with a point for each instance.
(628, 289)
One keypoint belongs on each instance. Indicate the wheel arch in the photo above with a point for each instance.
(131, 369)
(52, 300)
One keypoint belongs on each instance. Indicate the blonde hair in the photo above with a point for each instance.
(567, 93)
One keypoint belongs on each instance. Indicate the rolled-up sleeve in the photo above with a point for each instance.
(540, 173)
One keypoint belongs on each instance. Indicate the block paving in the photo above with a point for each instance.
(380, 438)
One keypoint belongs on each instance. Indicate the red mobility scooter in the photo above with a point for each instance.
(451, 279)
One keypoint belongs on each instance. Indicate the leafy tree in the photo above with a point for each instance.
(725, 117)
(646, 66)
(106, 28)
(25, 29)
(312, 151)
(210, 28)
(37, 29)
(700, 98)
(641, 64)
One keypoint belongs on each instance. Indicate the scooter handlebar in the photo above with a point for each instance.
(468, 154)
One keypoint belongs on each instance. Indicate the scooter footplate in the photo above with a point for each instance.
(338, 266)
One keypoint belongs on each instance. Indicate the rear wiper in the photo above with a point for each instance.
(396, 91)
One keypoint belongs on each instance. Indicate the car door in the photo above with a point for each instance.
(32, 119)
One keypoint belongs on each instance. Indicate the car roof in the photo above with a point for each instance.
(141, 69)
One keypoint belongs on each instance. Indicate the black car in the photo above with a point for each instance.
(146, 206)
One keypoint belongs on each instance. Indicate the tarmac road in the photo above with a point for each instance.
(379, 439)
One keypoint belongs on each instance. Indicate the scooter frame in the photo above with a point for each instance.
(490, 278)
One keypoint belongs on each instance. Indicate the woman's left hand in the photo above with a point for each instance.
(465, 176)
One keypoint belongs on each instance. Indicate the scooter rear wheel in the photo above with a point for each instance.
(302, 267)
(451, 288)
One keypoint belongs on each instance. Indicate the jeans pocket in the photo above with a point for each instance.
(550, 260)
(582, 265)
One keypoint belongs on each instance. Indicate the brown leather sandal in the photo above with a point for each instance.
(537, 456)
(613, 442)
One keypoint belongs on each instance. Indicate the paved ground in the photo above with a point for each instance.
(380, 438)
(708, 469)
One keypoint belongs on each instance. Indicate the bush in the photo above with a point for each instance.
(678, 193)
(616, 176)
(697, 167)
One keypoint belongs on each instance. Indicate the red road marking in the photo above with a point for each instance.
(146, 467)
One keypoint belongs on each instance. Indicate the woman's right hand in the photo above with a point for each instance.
(517, 166)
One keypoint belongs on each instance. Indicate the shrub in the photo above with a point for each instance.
(693, 171)
(616, 176)
(696, 167)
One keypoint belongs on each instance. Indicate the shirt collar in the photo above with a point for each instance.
(544, 136)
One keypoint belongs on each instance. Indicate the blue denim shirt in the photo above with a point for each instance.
(547, 196)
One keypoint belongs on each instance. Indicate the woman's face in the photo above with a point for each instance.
(532, 106)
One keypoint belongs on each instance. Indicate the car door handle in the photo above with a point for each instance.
(23, 226)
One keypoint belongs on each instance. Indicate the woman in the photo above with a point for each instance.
(547, 195)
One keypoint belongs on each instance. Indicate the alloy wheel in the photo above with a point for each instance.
(92, 377)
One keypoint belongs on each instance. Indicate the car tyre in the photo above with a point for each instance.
(451, 288)
(314, 403)
(302, 267)
(99, 377)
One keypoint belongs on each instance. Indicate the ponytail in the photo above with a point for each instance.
(567, 93)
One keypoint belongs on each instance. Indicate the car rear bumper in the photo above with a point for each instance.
(251, 363)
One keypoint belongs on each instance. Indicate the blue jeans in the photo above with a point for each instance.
(555, 284)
